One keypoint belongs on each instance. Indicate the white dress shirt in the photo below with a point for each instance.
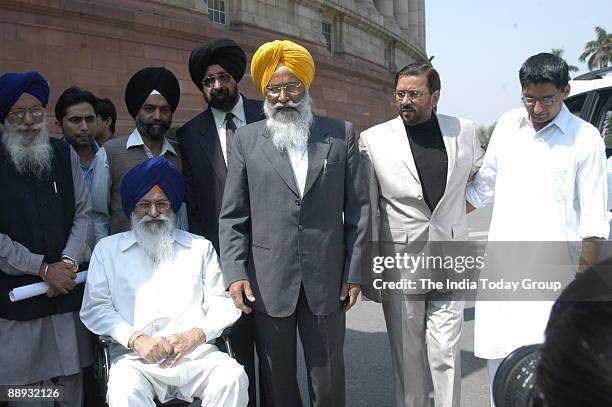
(299, 164)
(125, 291)
(220, 122)
(546, 186)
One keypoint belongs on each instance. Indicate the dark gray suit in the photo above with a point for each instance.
(297, 252)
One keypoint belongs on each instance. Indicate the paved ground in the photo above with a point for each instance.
(368, 364)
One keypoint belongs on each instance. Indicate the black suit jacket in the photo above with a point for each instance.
(205, 171)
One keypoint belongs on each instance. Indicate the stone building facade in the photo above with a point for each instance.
(98, 45)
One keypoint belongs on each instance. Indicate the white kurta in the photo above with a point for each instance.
(549, 186)
(125, 293)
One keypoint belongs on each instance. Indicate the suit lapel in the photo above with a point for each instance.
(280, 162)
(404, 150)
(450, 134)
(318, 150)
(253, 110)
(209, 141)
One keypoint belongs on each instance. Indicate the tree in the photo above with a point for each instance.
(558, 52)
(599, 51)
(484, 134)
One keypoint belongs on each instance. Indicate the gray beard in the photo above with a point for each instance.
(35, 158)
(155, 238)
(289, 128)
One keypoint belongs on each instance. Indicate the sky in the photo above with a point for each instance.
(479, 46)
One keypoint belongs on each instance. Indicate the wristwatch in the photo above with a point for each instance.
(73, 263)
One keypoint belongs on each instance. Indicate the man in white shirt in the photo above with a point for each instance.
(168, 309)
(545, 168)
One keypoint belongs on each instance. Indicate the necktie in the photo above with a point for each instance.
(230, 128)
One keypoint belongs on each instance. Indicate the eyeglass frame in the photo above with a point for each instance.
(411, 94)
(297, 88)
(37, 113)
(223, 77)
(545, 101)
(146, 205)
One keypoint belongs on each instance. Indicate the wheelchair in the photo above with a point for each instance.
(103, 362)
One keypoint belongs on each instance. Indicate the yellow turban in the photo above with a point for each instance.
(267, 58)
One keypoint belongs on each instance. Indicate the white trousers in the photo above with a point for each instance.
(214, 378)
(427, 325)
(492, 366)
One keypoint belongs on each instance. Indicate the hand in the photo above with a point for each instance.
(183, 344)
(238, 291)
(60, 278)
(349, 294)
(589, 254)
(52, 292)
(151, 349)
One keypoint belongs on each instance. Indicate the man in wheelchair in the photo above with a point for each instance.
(158, 292)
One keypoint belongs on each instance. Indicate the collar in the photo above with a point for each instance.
(237, 110)
(128, 239)
(561, 120)
(135, 139)
(94, 145)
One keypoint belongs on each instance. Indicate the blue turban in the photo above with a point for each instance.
(142, 178)
(13, 85)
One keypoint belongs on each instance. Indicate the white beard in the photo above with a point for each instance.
(155, 238)
(289, 128)
(34, 158)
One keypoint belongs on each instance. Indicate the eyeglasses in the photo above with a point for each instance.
(410, 94)
(160, 205)
(545, 101)
(290, 88)
(210, 81)
(19, 114)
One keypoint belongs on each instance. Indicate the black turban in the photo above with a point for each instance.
(218, 51)
(146, 81)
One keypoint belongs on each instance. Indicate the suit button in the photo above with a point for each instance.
(297, 202)
(419, 197)
(300, 228)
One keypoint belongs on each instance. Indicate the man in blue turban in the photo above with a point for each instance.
(44, 230)
(151, 96)
(153, 172)
(158, 292)
(14, 85)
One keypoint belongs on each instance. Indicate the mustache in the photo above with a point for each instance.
(147, 218)
(24, 127)
(220, 91)
(289, 103)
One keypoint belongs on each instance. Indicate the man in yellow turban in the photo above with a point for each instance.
(293, 229)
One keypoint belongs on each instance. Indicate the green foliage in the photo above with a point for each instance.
(598, 53)
(484, 134)
(558, 52)
(171, 134)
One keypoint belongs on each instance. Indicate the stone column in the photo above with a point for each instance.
(385, 7)
(369, 11)
(422, 24)
(413, 21)
(400, 11)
